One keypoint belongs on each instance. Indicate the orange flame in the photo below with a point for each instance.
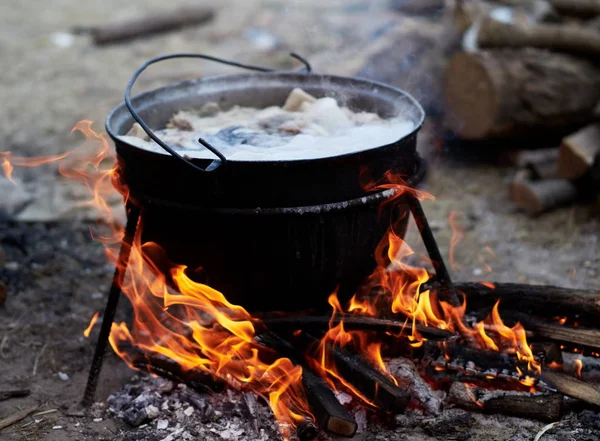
(578, 367)
(88, 330)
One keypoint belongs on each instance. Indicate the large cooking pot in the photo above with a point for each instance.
(271, 235)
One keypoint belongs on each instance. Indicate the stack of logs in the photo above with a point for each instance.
(529, 71)
(551, 177)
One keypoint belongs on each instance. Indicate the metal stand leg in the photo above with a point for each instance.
(133, 215)
(441, 270)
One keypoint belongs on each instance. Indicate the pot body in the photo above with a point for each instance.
(271, 235)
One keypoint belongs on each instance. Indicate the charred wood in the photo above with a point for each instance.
(373, 384)
(171, 370)
(326, 408)
(578, 336)
(535, 405)
(547, 301)
(328, 411)
(405, 371)
(527, 93)
(357, 323)
(572, 387)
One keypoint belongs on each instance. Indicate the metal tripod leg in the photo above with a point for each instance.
(443, 276)
(133, 215)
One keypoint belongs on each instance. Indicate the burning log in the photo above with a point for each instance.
(547, 301)
(171, 370)
(557, 37)
(405, 371)
(578, 151)
(328, 411)
(588, 338)
(503, 93)
(373, 384)
(167, 21)
(357, 323)
(572, 387)
(535, 405)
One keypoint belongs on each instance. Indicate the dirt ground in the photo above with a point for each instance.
(57, 277)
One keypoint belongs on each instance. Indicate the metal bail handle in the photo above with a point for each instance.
(215, 164)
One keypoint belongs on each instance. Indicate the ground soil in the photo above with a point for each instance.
(57, 276)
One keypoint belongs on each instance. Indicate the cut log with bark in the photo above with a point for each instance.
(572, 387)
(566, 38)
(543, 163)
(519, 93)
(167, 21)
(547, 301)
(535, 405)
(538, 196)
(578, 151)
(578, 8)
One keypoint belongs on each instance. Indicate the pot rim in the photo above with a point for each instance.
(237, 76)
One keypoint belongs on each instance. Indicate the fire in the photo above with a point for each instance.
(578, 367)
(88, 330)
(198, 328)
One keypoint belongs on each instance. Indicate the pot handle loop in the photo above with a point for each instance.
(215, 164)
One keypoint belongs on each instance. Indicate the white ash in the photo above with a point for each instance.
(234, 416)
(303, 128)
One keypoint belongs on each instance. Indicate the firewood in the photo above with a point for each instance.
(527, 93)
(329, 413)
(534, 405)
(326, 408)
(542, 162)
(577, 152)
(557, 37)
(536, 197)
(354, 323)
(167, 21)
(405, 371)
(579, 8)
(578, 336)
(572, 387)
(369, 381)
(547, 301)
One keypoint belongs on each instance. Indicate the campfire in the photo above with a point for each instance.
(406, 336)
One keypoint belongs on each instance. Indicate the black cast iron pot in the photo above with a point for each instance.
(271, 235)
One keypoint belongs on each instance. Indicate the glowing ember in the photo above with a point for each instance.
(88, 330)
(578, 367)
